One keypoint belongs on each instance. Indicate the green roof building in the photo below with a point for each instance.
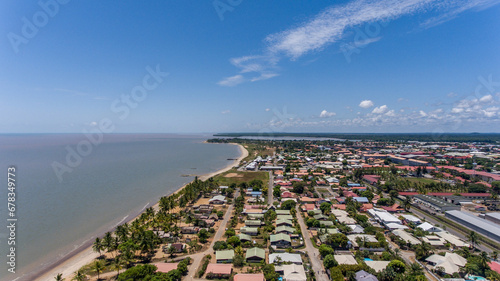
(224, 256)
(285, 229)
(255, 255)
(281, 222)
(284, 217)
(244, 237)
(281, 240)
(254, 223)
(249, 230)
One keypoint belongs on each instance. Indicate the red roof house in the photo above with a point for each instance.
(220, 269)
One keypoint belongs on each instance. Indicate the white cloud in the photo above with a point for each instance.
(486, 99)
(390, 113)
(380, 109)
(366, 104)
(264, 76)
(326, 114)
(268, 109)
(93, 124)
(331, 25)
(226, 111)
(232, 81)
(248, 63)
(491, 111)
(422, 113)
(452, 8)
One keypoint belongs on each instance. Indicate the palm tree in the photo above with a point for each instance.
(407, 203)
(117, 265)
(423, 250)
(122, 232)
(474, 239)
(397, 252)
(80, 276)
(484, 259)
(107, 242)
(238, 251)
(98, 267)
(494, 255)
(97, 246)
(59, 277)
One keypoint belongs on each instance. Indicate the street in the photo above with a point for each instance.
(313, 253)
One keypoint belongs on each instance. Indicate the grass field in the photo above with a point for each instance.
(234, 176)
(256, 150)
(324, 193)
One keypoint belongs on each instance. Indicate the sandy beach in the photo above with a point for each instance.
(84, 255)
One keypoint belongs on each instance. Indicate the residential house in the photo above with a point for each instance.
(356, 229)
(253, 223)
(326, 223)
(393, 209)
(450, 262)
(255, 255)
(434, 240)
(280, 240)
(365, 276)
(285, 258)
(224, 256)
(219, 270)
(345, 259)
(189, 230)
(282, 222)
(284, 217)
(428, 227)
(361, 199)
(285, 229)
(218, 199)
(292, 272)
(249, 230)
(377, 265)
(244, 237)
(178, 247)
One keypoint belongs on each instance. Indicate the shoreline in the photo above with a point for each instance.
(84, 254)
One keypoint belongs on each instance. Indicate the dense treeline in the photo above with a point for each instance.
(427, 137)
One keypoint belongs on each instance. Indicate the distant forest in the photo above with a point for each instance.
(423, 137)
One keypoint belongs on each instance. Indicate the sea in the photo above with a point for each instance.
(71, 188)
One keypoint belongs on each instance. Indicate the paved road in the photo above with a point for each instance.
(270, 189)
(316, 263)
(197, 258)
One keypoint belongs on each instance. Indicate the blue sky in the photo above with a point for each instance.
(259, 66)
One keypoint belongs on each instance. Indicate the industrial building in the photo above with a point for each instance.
(493, 217)
(485, 227)
(435, 203)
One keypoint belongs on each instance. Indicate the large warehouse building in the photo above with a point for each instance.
(435, 203)
(487, 228)
(494, 217)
